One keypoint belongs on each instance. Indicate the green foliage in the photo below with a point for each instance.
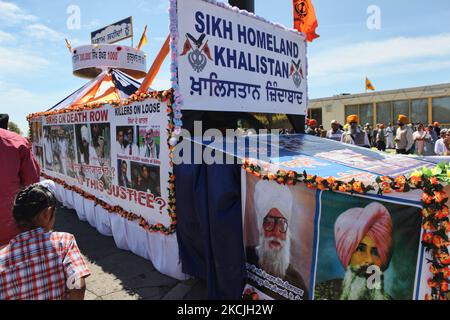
(14, 127)
(441, 171)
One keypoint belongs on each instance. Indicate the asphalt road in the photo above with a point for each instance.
(121, 275)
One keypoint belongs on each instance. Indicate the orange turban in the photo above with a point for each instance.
(403, 119)
(352, 225)
(352, 118)
(312, 122)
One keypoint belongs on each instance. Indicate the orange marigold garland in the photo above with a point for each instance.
(435, 212)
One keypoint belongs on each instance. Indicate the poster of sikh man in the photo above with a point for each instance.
(273, 214)
(364, 238)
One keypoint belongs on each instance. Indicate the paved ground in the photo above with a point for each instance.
(120, 275)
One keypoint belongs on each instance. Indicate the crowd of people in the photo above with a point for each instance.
(405, 138)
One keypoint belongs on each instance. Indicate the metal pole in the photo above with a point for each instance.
(248, 5)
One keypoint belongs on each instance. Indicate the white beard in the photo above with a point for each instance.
(355, 287)
(274, 261)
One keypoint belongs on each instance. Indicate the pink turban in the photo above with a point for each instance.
(354, 224)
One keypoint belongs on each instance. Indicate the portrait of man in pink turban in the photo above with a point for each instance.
(363, 240)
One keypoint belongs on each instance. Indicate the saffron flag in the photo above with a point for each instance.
(143, 41)
(369, 85)
(68, 45)
(305, 18)
(151, 74)
(187, 47)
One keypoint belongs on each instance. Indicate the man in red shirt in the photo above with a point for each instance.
(18, 169)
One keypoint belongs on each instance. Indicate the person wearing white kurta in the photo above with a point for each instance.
(48, 151)
(390, 137)
(91, 158)
(420, 137)
(439, 147)
(63, 156)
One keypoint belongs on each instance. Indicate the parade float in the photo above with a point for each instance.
(321, 205)
(109, 155)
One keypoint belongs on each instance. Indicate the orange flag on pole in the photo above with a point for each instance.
(369, 85)
(69, 47)
(305, 18)
(143, 41)
(151, 74)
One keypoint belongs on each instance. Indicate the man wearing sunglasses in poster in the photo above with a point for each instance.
(273, 208)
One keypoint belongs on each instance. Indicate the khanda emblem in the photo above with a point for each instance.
(301, 7)
(197, 52)
(297, 72)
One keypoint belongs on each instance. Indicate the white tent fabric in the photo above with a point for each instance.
(124, 84)
(161, 250)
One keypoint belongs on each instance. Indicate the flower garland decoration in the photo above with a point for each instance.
(250, 294)
(178, 99)
(435, 211)
(30, 137)
(130, 216)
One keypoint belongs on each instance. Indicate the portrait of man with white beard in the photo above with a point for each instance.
(273, 205)
(363, 240)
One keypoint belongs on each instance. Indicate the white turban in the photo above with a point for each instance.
(85, 133)
(271, 195)
(354, 224)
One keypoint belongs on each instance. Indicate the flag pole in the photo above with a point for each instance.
(151, 74)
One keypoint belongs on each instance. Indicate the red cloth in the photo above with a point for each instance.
(18, 169)
(36, 265)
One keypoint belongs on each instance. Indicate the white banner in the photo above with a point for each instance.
(114, 32)
(118, 154)
(128, 59)
(229, 61)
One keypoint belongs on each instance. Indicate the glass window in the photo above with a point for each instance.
(400, 107)
(366, 114)
(384, 112)
(317, 115)
(419, 111)
(351, 110)
(441, 110)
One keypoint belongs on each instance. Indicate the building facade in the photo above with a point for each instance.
(421, 104)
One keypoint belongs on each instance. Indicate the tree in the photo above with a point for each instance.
(14, 127)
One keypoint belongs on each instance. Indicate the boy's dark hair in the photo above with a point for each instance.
(30, 202)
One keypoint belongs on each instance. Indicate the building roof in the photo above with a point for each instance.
(431, 89)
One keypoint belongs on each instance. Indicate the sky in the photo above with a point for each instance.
(408, 46)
